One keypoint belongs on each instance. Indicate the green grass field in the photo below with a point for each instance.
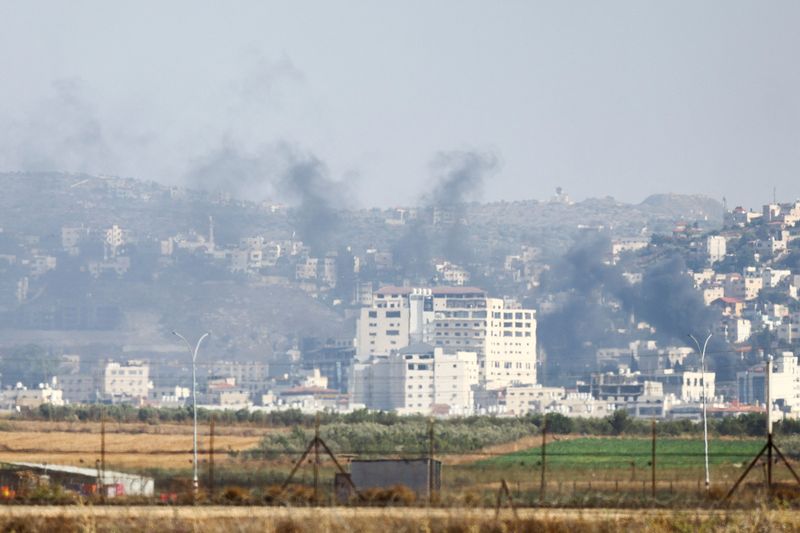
(609, 452)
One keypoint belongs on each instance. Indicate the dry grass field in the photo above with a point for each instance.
(368, 520)
(130, 446)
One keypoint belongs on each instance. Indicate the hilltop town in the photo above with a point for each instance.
(507, 308)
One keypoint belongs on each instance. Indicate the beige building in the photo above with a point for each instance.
(743, 287)
(522, 399)
(131, 379)
(23, 398)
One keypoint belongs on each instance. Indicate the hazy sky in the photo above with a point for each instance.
(602, 98)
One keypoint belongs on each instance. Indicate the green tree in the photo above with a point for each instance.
(620, 422)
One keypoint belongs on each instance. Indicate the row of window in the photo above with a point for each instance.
(519, 315)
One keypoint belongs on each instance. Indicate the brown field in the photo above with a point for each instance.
(366, 520)
(129, 446)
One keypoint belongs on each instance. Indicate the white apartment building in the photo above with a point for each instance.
(510, 348)
(131, 379)
(784, 387)
(715, 248)
(418, 379)
(627, 244)
(502, 334)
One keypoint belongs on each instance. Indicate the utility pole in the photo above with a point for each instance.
(102, 484)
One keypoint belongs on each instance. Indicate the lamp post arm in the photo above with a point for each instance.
(197, 347)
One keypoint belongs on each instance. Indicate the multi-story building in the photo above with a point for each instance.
(78, 388)
(131, 380)
(743, 287)
(784, 386)
(687, 386)
(251, 376)
(418, 379)
(501, 333)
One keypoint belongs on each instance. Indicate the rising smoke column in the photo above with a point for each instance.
(316, 197)
(585, 283)
(297, 177)
(458, 177)
(670, 303)
(232, 170)
(666, 299)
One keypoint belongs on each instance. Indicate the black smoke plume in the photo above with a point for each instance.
(595, 300)
(459, 177)
(317, 198)
(282, 171)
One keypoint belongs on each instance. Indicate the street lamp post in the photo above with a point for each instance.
(703, 386)
(193, 354)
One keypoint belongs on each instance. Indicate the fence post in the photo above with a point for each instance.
(103, 457)
(211, 459)
(653, 461)
(543, 482)
(431, 469)
(316, 460)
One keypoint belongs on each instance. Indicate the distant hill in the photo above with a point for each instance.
(688, 205)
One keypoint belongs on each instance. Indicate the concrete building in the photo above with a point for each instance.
(686, 386)
(131, 380)
(418, 379)
(77, 387)
(21, 397)
(522, 399)
(743, 287)
(784, 388)
(502, 334)
(715, 248)
(248, 375)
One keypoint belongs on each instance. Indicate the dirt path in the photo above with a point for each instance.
(213, 519)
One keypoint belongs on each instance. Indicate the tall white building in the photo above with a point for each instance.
(716, 248)
(455, 319)
(418, 379)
